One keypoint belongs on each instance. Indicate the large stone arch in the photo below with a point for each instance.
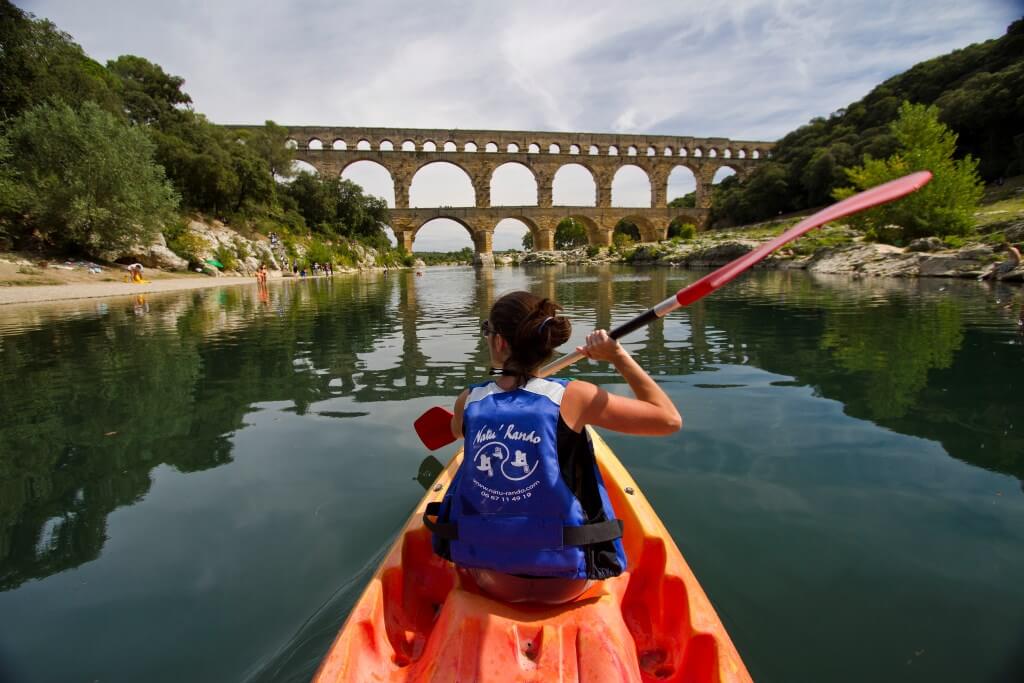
(410, 235)
(451, 217)
(683, 168)
(371, 156)
(371, 182)
(616, 177)
(565, 167)
(415, 171)
(596, 233)
(724, 167)
(301, 165)
(531, 225)
(649, 232)
(491, 172)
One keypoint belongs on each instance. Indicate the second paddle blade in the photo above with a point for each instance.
(434, 428)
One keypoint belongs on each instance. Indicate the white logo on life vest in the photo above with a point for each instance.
(513, 466)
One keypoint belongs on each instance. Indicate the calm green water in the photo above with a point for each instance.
(195, 487)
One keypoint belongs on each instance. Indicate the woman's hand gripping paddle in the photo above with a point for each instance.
(434, 427)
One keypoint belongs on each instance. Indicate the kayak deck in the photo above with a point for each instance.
(422, 619)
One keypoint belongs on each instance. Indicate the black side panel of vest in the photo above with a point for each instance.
(577, 463)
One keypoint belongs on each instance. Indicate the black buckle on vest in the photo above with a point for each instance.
(445, 530)
(589, 534)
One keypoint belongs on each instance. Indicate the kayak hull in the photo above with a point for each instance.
(422, 619)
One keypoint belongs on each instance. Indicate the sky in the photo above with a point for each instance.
(742, 69)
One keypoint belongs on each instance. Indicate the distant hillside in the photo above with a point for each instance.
(979, 90)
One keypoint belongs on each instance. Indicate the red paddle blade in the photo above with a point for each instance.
(434, 427)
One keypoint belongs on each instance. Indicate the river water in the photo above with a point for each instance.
(196, 486)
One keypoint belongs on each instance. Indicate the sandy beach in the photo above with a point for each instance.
(27, 294)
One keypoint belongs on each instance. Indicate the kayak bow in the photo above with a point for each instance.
(422, 619)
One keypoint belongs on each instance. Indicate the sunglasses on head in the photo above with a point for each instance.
(485, 328)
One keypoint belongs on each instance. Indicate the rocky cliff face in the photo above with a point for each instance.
(246, 255)
(155, 255)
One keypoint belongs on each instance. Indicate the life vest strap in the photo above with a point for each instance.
(586, 534)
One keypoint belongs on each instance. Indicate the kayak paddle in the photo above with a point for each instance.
(434, 426)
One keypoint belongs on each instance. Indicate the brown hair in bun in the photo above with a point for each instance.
(533, 329)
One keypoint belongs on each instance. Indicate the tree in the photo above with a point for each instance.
(89, 180)
(149, 94)
(687, 201)
(528, 241)
(10, 193)
(269, 143)
(337, 207)
(569, 234)
(946, 205)
(626, 232)
(39, 63)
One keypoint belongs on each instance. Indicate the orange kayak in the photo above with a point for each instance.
(422, 619)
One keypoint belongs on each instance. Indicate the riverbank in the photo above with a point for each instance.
(161, 282)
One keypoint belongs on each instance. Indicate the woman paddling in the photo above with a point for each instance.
(527, 514)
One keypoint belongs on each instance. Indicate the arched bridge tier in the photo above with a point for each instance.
(404, 151)
(600, 222)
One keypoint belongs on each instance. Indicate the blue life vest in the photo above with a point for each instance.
(509, 507)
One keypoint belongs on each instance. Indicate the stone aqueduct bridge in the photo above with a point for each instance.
(404, 151)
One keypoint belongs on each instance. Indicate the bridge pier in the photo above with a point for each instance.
(544, 240)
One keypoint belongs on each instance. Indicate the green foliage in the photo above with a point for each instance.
(433, 258)
(333, 206)
(10, 193)
(569, 234)
(88, 179)
(625, 233)
(39, 63)
(212, 168)
(765, 194)
(186, 243)
(593, 250)
(687, 201)
(681, 230)
(148, 93)
(320, 252)
(943, 207)
(621, 240)
(268, 143)
(528, 241)
(226, 255)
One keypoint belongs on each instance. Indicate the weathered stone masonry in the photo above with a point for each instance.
(404, 151)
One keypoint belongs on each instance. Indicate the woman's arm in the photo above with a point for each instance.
(460, 405)
(651, 413)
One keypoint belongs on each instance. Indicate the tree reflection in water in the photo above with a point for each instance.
(94, 401)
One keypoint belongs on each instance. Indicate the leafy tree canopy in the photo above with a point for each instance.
(39, 63)
(148, 93)
(333, 206)
(945, 206)
(569, 234)
(87, 179)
